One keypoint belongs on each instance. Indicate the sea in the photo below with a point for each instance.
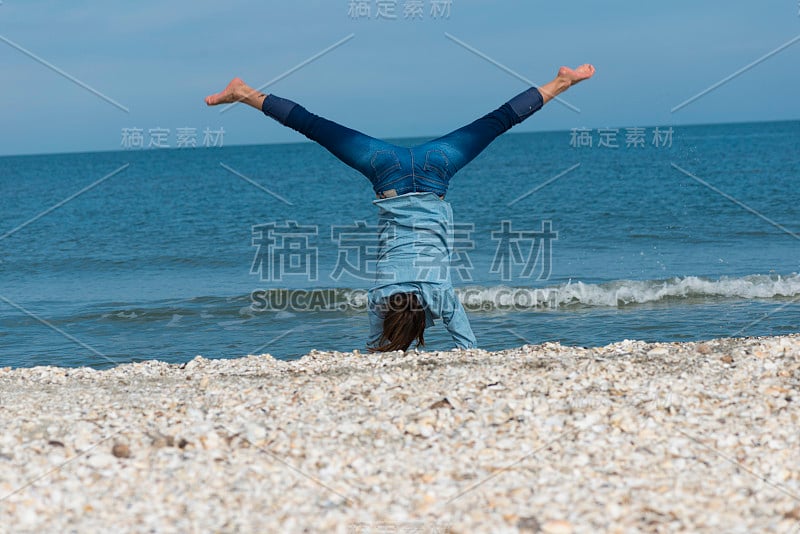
(584, 237)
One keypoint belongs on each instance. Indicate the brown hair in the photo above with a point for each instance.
(403, 322)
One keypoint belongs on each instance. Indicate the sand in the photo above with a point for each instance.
(631, 437)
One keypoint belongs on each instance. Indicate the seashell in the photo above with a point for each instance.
(121, 450)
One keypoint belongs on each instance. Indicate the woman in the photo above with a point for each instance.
(415, 222)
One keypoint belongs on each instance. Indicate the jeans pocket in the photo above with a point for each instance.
(384, 162)
(436, 162)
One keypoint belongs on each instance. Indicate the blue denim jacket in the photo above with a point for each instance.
(414, 250)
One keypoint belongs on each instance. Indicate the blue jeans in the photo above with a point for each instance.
(394, 170)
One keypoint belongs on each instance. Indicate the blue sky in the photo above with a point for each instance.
(394, 78)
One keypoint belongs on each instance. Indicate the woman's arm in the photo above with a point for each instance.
(456, 321)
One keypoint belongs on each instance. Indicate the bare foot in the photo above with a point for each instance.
(232, 93)
(566, 78)
(579, 74)
(237, 91)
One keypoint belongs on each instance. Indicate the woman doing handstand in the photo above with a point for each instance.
(413, 284)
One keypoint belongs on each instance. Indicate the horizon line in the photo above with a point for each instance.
(304, 141)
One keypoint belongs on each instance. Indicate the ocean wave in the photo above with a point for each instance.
(570, 295)
(631, 292)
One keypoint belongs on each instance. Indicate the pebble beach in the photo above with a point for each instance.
(630, 437)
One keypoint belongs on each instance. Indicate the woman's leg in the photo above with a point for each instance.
(463, 145)
(352, 147)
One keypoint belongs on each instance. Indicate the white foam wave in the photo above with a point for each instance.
(627, 292)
